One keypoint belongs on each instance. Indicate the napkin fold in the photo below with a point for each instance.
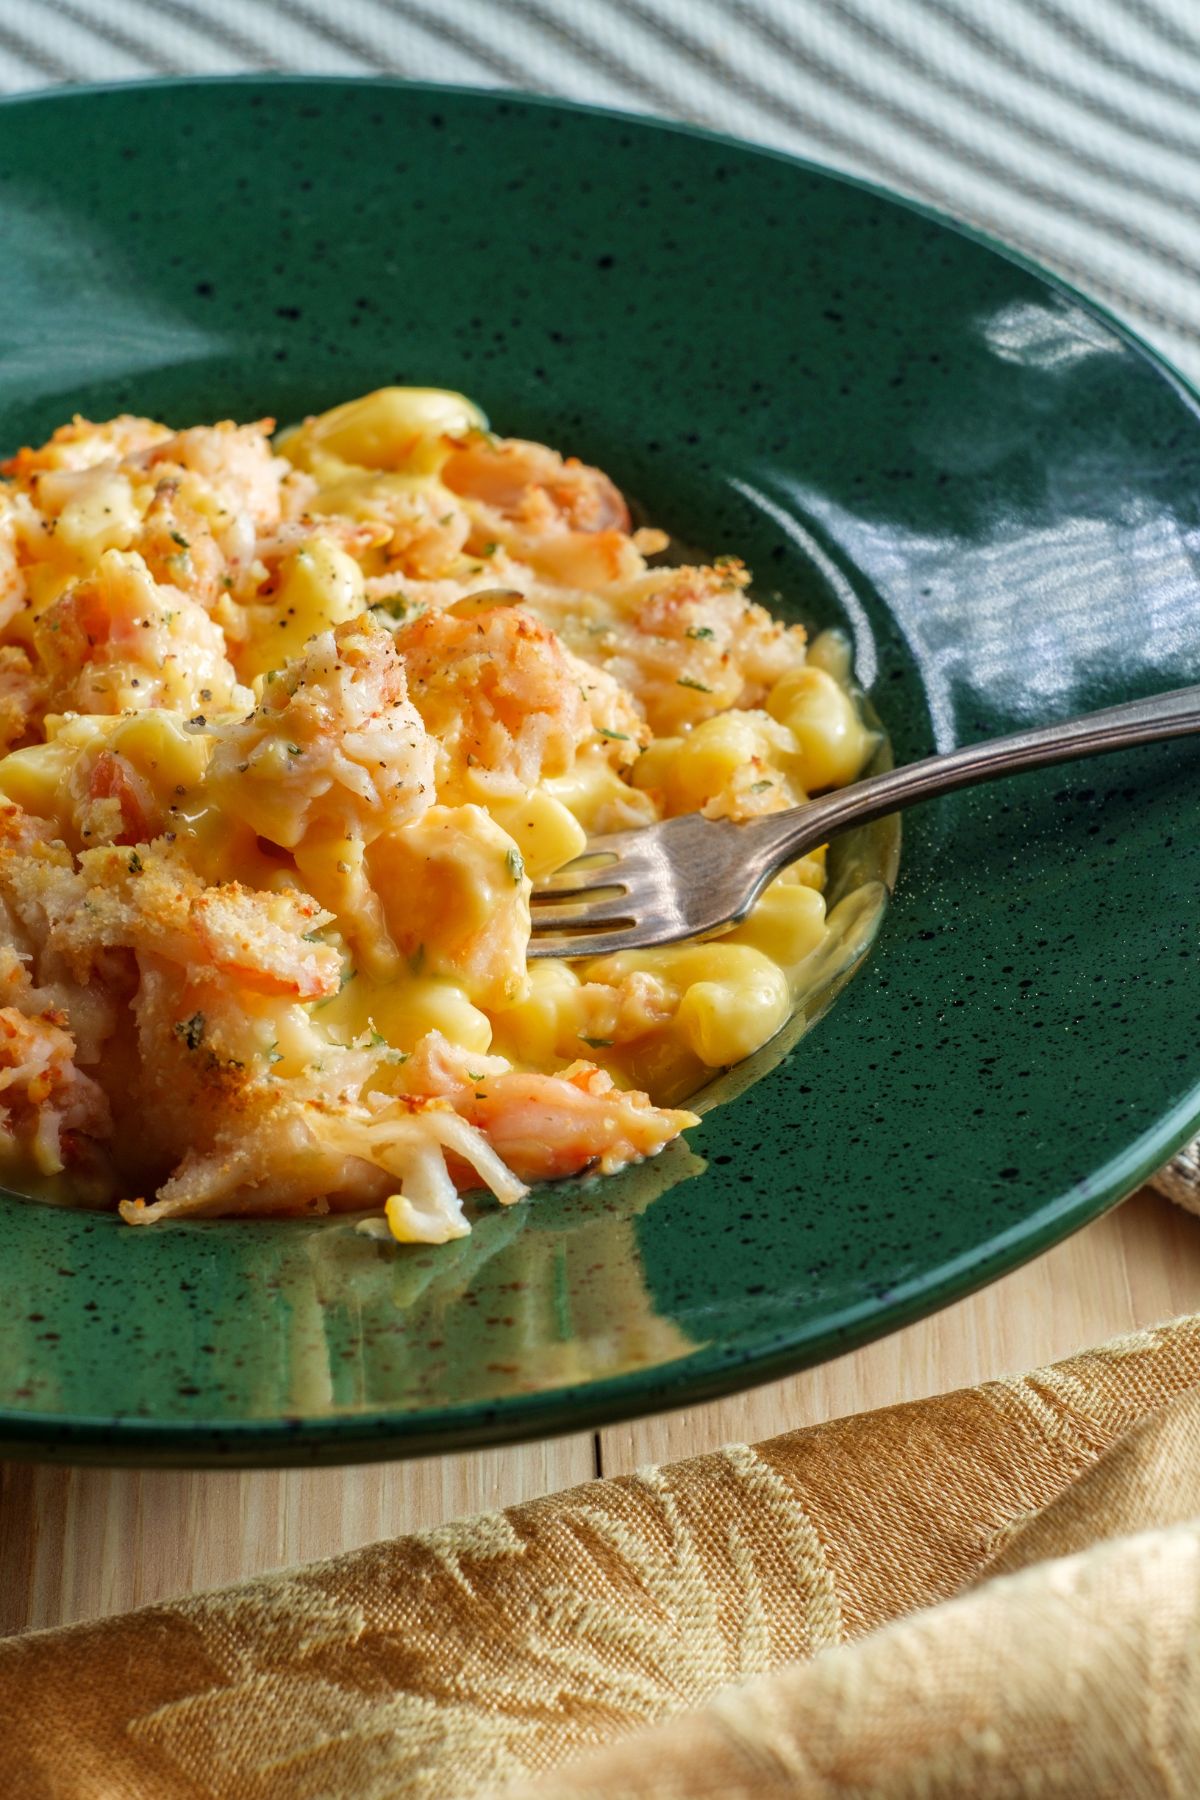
(992, 1592)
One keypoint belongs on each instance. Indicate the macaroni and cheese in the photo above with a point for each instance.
(289, 728)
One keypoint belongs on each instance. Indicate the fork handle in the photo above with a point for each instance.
(1170, 715)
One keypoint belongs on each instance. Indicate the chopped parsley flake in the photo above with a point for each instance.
(135, 863)
(191, 1030)
(603, 731)
(515, 864)
(686, 681)
(700, 631)
(181, 541)
(595, 1043)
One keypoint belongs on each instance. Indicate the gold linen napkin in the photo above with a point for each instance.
(996, 1592)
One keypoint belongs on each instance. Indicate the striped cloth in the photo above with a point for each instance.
(1070, 128)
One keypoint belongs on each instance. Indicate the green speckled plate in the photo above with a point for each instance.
(992, 486)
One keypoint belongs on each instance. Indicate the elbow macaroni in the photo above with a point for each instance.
(291, 729)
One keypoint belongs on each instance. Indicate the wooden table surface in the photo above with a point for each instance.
(75, 1543)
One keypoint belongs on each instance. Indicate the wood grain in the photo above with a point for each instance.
(75, 1543)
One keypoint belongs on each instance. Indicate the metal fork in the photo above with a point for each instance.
(690, 875)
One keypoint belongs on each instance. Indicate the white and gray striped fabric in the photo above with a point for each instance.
(1070, 128)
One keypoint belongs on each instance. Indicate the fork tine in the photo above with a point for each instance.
(576, 879)
(577, 889)
(578, 943)
(614, 911)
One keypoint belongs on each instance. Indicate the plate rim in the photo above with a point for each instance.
(392, 1433)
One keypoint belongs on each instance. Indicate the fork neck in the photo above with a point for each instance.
(1157, 717)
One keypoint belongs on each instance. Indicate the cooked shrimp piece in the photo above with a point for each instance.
(566, 520)
(545, 1126)
(118, 806)
(37, 876)
(534, 485)
(707, 611)
(82, 444)
(179, 547)
(334, 748)
(235, 465)
(147, 899)
(289, 1153)
(497, 692)
(118, 641)
(261, 941)
(687, 643)
(417, 532)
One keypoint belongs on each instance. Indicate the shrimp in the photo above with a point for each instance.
(421, 533)
(147, 899)
(687, 643)
(119, 641)
(621, 729)
(530, 482)
(119, 805)
(498, 694)
(82, 444)
(179, 548)
(261, 942)
(564, 519)
(235, 468)
(545, 1126)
